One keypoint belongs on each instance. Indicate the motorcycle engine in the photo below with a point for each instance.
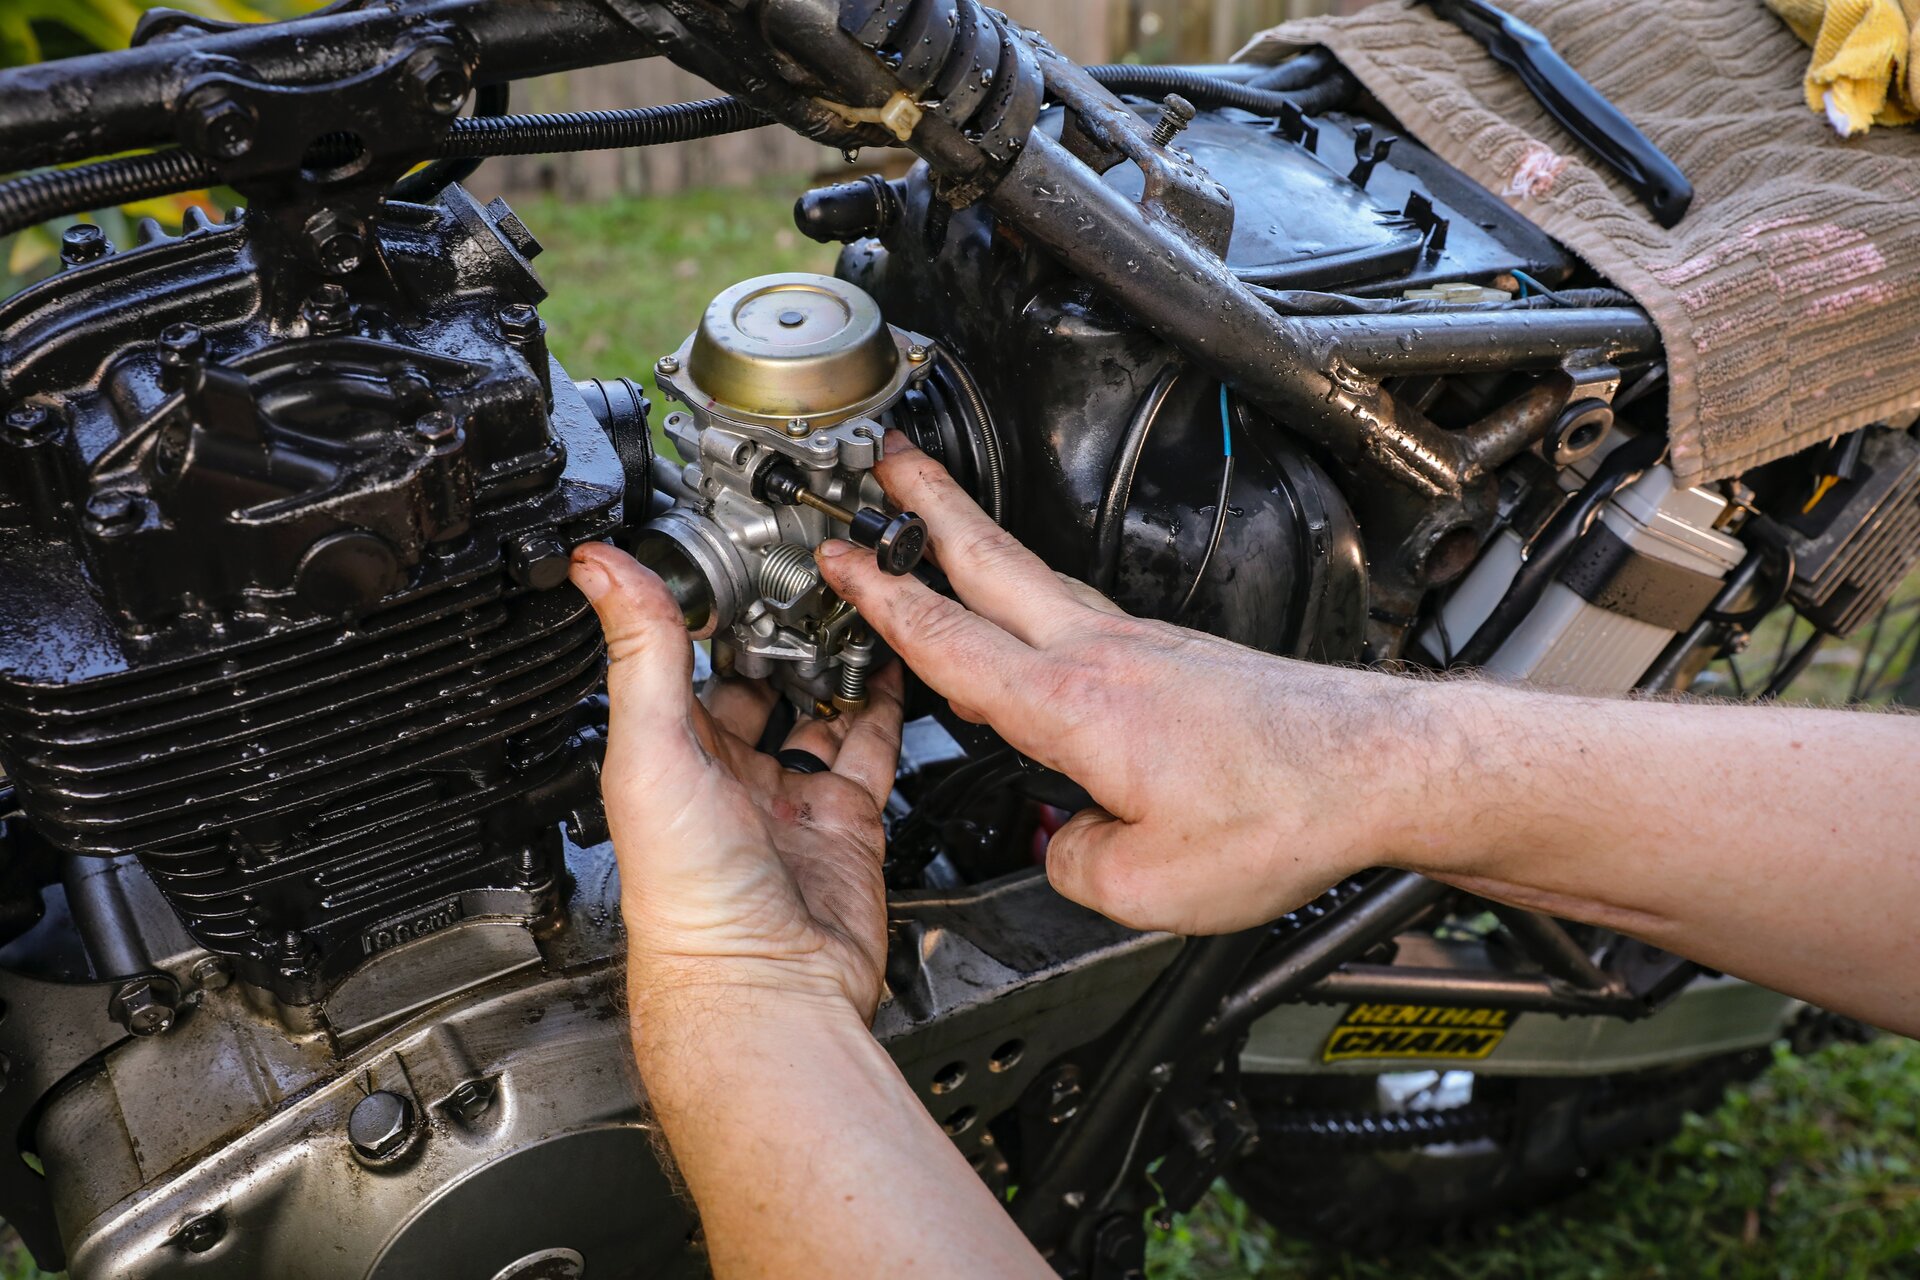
(299, 707)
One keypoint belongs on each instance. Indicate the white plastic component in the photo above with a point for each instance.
(1568, 642)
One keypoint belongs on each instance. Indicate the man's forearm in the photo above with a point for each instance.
(806, 1150)
(1774, 843)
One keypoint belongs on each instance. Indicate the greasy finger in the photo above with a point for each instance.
(996, 576)
(740, 707)
(870, 752)
(649, 658)
(959, 653)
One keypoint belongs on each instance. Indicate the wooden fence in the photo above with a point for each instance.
(1087, 30)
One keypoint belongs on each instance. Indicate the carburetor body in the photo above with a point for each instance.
(786, 387)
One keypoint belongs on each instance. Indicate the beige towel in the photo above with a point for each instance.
(1788, 297)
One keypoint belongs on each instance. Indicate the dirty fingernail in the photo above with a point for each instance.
(834, 547)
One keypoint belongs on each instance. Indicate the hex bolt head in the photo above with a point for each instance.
(82, 243)
(28, 423)
(470, 1100)
(211, 973)
(338, 242)
(219, 126)
(437, 427)
(144, 1007)
(519, 322)
(380, 1124)
(112, 511)
(538, 561)
(202, 1233)
(440, 79)
(328, 309)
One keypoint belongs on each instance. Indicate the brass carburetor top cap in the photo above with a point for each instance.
(793, 346)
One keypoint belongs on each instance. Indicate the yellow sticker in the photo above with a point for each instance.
(1417, 1031)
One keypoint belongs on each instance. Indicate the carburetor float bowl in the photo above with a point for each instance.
(785, 386)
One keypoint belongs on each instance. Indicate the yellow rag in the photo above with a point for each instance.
(1862, 73)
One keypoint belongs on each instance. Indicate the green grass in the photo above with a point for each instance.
(1811, 1172)
(630, 278)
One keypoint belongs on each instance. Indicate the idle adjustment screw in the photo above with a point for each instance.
(1176, 113)
(379, 1124)
(897, 541)
(82, 243)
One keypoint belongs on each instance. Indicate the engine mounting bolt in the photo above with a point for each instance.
(538, 561)
(82, 243)
(220, 126)
(202, 1233)
(338, 242)
(440, 78)
(667, 364)
(917, 354)
(379, 1125)
(798, 427)
(144, 1006)
(112, 510)
(211, 973)
(519, 322)
(1176, 113)
(183, 340)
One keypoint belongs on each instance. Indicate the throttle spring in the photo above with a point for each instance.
(787, 571)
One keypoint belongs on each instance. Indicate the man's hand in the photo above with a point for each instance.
(1225, 778)
(735, 873)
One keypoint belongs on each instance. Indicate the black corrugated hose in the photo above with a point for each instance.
(32, 199)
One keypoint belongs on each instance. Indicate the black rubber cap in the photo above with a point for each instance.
(898, 541)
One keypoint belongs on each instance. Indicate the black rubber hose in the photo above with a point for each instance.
(424, 184)
(1333, 90)
(1550, 549)
(1311, 67)
(30, 200)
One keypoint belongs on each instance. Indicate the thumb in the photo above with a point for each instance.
(649, 658)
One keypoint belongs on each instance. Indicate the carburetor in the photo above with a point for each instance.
(786, 384)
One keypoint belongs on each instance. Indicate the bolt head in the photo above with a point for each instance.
(917, 354)
(798, 427)
(83, 242)
(29, 421)
(667, 364)
(538, 561)
(379, 1125)
(437, 427)
(112, 510)
(211, 973)
(470, 1100)
(144, 1008)
(222, 128)
(440, 79)
(338, 242)
(328, 310)
(183, 338)
(519, 321)
(202, 1233)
